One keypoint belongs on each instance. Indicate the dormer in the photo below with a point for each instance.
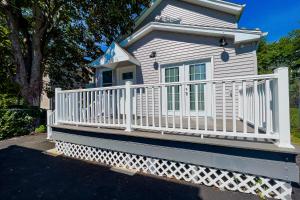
(215, 13)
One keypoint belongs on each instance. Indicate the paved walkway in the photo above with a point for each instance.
(28, 173)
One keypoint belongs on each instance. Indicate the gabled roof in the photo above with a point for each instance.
(239, 35)
(114, 56)
(224, 6)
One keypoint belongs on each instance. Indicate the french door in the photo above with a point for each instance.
(184, 73)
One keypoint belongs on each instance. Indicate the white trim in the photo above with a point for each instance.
(239, 35)
(224, 6)
(113, 56)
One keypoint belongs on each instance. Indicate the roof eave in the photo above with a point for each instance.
(241, 35)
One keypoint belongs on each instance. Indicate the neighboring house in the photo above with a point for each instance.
(185, 88)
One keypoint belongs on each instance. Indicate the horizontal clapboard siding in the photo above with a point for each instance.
(173, 48)
(191, 14)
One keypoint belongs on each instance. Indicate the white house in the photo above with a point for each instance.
(185, 89)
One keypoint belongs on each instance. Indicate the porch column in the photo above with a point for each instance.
(128, 106)
(282, 113)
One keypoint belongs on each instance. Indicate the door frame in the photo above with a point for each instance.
(100, 76)
(120, 70)
(184, 77)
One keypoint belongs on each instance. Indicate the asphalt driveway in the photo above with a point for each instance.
(26, 172)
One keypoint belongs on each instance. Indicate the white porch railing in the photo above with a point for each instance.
(50, 122)
(243, 107)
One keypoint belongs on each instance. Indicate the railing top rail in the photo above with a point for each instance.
(93, 89)
(231, 79)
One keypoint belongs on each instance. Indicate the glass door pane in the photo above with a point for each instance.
(197, 72)
(172, 75)
(107, 78)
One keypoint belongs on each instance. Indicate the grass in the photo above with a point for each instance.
(295, 126)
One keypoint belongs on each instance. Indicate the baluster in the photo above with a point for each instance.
(256, 108)
(189, 113)
(153, 108)
(268, 116)
(70, 109)
(147, 107)
(109, 106)
(124, 106)
(104, 106)
(244, 107)
(118, 105)
(181, 105)
(173, 105)
(197, 106)
(141, 106)
(166, 108)
(136, 107)
(233, 108)
(159, 106)
(224, 106)
(214, 107)
(113, 106)
(92, 107)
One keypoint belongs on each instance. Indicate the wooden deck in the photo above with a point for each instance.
(225, 141)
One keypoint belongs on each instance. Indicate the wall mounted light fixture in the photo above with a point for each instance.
(153, 54)
(223, 42)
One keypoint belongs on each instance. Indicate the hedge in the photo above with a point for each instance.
(17, 122)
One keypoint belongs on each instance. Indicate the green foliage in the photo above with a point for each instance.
(17, 122)
(11, 101)
(295, 125)
(41, 129)
(285, 52)
(68, 31)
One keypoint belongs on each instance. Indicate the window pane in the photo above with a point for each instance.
(127, 76)
(200, 97)
(107, 78)
(197, 72)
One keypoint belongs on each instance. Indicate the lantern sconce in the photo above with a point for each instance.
(153, 54)
(223, 42)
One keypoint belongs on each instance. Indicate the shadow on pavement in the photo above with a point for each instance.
(29, 174)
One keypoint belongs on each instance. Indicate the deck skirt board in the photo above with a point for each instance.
(224, 141)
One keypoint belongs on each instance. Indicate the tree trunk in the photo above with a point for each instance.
(28, 77)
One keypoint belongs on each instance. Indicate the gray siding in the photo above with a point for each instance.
(191, 14)
(173, 47)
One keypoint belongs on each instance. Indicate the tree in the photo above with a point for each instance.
(285, 52)
(53, 37)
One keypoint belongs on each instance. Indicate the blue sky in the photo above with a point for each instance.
(277, 17)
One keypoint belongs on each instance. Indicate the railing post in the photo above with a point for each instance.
(128, 105)
(57, 107)
(49, 123)
(282, 113)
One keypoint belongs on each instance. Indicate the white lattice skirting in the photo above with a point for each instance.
(233, 181)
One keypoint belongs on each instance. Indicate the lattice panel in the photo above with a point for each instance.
(223, 179)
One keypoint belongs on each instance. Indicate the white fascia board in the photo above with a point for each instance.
(147, 12)
(238, 35)
(225, 6)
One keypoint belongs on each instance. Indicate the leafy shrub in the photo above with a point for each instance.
(41, 129)
(9, 101)
(17, 122)
(295, 125)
